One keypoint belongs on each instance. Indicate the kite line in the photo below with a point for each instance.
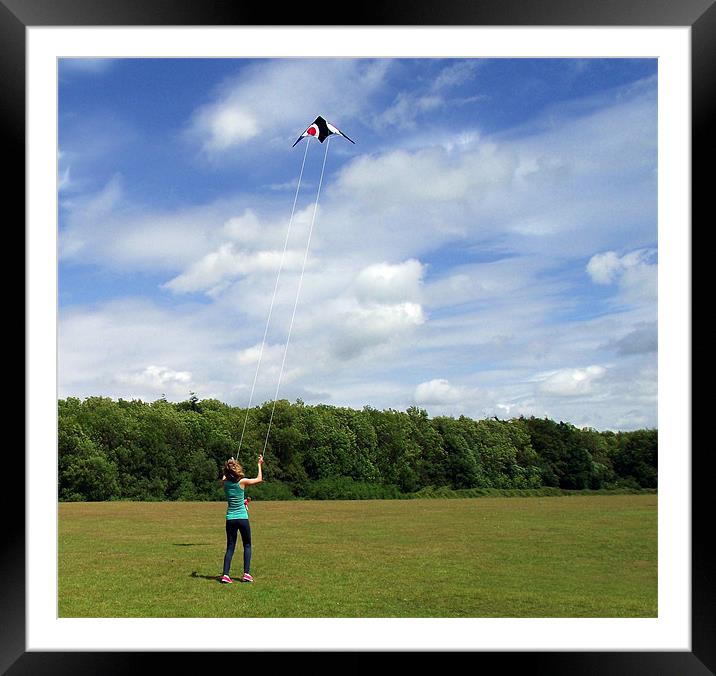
(321, 130)
(273, 298)
(298, 293)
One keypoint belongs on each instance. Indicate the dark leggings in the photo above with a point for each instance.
(232, 528)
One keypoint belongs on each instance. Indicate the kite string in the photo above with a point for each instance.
(275, 288)
(298, 293)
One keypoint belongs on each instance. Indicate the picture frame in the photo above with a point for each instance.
(17, 15)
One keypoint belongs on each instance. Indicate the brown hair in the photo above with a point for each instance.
(233, 470)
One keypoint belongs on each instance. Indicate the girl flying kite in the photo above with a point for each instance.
(237, 515)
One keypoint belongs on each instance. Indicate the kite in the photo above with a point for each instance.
(321, 130)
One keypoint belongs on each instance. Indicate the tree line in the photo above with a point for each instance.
(136, 450)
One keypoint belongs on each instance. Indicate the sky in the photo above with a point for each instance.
(487, 247)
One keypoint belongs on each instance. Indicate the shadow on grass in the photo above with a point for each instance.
(191, 544)
(214, 578)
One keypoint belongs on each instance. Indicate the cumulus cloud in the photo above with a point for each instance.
(603, 268)
(380, 307)
(539, 193)
(426, 176)
(360, 327)
(241, 253)
(225, 126)
(571, 382)
(500, 281)
(634, 273)
(609, 267)
(156, 378)
(264, 366)
(251, 356)
(439, 392)
(213, 272)
(386, 283)
(246, 228)
(345, 313)
(107, 227)
(135, 349)
(277, 98)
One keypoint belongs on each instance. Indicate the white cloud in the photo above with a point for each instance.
(425, 176)
(383, 282)
(603, 268)
(158, 378)
(246, 229)
(276, 99)
(571, 382)
(227, 125)
(244, 253)
(439, 392)
(635, 273)
(380, 308)
(408, 105)
(608, 267)
(260, 352)
(542, 192)
(107, 228)
(502, 281)
(266, 366)
(135, 349)
(456, 73)
(359, 327)
(213, 272)
(343, 315)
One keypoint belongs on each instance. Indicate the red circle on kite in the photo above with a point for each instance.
(311, 131)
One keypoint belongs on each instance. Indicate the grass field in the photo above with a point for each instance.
(571, 556)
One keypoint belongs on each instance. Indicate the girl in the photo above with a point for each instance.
(237, 516)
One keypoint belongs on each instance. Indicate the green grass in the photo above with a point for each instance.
(571, 556)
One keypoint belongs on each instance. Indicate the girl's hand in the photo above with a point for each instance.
(261, 460)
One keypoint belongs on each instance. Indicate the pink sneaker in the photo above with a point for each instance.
(247, 578)
(226, 580)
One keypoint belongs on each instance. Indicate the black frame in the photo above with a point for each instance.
(700, 15)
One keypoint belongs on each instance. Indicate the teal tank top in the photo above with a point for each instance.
(235, 508)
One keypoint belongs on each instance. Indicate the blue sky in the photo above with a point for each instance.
(487, 247)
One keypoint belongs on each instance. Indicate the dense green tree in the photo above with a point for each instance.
(398, 453)
(88, 476)
(462, 464)
(637, 457)
(130, 449)
(547, 442)
(433, 464)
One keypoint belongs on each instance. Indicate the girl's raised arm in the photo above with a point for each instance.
(259, 476)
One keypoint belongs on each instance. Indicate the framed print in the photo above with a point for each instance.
(133, 66)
